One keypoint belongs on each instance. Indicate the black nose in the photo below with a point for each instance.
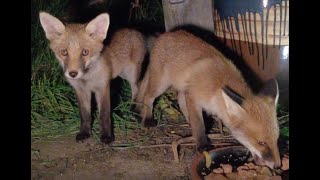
(73, 74)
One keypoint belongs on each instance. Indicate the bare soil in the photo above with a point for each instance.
(140, 154)
(64, 158)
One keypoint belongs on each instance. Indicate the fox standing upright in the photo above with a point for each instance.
(207, 80)
(89, 66)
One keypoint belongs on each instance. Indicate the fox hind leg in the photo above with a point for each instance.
(131, 74)
(157, 85)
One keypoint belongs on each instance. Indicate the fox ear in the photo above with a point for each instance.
(233, 101)
(51, 25)
(98, 27)
(271, 89)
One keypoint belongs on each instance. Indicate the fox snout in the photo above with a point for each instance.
(273, 164)
(269, 158)
(73, 74)
(74, 67)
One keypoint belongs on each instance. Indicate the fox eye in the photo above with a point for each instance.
(64, 52)
(262, 143)
(85, 52)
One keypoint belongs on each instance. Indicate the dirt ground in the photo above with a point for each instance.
(64, 158)
(140, 154)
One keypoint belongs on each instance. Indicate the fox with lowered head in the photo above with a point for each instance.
(206, 80)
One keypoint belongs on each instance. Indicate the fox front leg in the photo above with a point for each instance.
(182, 105)
(103, 100)
(84, 101)
(197, 123)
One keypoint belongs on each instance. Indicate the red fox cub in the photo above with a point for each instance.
(206, 80)
(89, 66)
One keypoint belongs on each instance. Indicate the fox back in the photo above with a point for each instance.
(207, 80)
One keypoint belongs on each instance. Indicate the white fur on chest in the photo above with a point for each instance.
(96, 78)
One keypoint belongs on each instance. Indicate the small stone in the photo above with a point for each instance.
(263, 177)
(265, 171)
(276, 178)
(250, 165)
(245, 174)
(213, 176)
(227, 168)
(218, 170)
(233, 176)
(242, 168)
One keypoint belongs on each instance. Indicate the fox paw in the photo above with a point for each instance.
(135, 109)
(203, 148)
(106, 139)
(150, 122)
(82, 136)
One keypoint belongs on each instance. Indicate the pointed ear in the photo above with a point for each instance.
(98, 27)
(271, 89)
(52, 26)
(233, 101)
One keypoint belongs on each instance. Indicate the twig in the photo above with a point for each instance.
(182, 144)
(74, 171)
(283, 117)
(175, 144)
(172, 135)
(156, 145)
(218, 136)
(182, 125)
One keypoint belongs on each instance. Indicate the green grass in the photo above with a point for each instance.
(283, 118)
(149, 12)
(53, 106)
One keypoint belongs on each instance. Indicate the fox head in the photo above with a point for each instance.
(253, 122)
(76, 46)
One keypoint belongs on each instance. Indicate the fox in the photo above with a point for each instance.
(89, 65)
(206, 80)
